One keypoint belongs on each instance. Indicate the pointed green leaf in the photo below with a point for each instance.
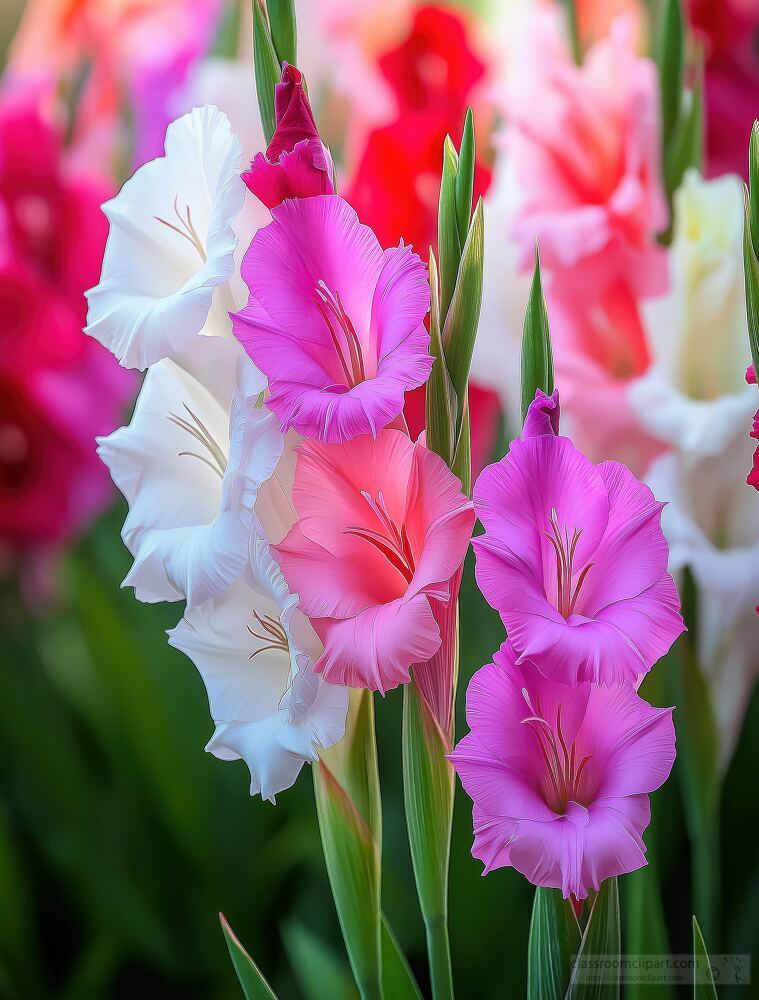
(267, 68)
(460, 328)
(448, 242)
(283, 30)
(440, 400)
(753, 184)
(554, 942)
(703, 985)
(346, 784)
(398, 980)
(573, 29)
(253, 984)
(644, 924)
(670, 56)
(537, 355)
(465, 178)
(318, 972)
(686, 148)
(751, 246)
(462, 456)
(600, 937)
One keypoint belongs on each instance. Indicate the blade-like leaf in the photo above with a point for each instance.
(703, 984)
(346, 783)
(753, 184)
(644, 925)
(428, 795)
(600, 937)
(537, 355)
(440, 401)
(751, 246)
(573, 29)
(283, 30)
(397, 978)
(554, 942)
(448, 242)
(253, 984)
(465, 178)
(267, 68)
(460, 327)
(319, 973)
(670, 56)
(686, 148)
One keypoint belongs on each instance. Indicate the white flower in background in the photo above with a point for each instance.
(255, 651)
(190, 464)
(695, 397)
(171, 244)
(712, 525)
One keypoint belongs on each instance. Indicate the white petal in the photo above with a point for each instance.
(190, 470)
(156, 288)
(250, 689)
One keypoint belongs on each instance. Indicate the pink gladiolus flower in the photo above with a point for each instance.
(296, 163)
(542, 415)
(753, 476)
(560, 775)
(334, 321)
(382, 528)
(584, 142)
(575, 561)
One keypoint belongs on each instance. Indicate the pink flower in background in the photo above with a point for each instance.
(382, 528)
(335, 322)
(296, 163)
(753, 476)
(575, 561)
(586, 149)
(58, 388)
(560, 776)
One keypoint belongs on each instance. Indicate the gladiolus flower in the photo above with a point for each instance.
(382, 528)
(171, 243)
(753, 476)
(543, 415)
(334, 321)
(574, 560)
(296, 163)
(560, 775)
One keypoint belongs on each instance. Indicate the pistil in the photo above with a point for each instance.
(343, 334)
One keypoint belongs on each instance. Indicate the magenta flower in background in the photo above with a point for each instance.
(335, 322)
(753, 476)
(560, 775)
(575, 561)
(296, 163)
(382, 528)
(58, 390)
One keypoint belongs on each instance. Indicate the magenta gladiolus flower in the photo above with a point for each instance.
(542, 415)
(382, 528)
(753, 477)
(575, 561)
(560, 775)
(335, 322)
(296, 163)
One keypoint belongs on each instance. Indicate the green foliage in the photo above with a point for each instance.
(600, 937)
(703, 987)
(267, 68)
(283, 30)
(537, 356)
(554, 941)
(751, 247)
(254, 986)
(670, 58)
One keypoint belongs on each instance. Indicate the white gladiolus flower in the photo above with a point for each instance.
(190, 468)
(712, 525)
(171, 245)
(695, 397)
(255, 651)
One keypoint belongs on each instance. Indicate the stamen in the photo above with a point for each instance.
(564, 548)
(185, 228)
(394, 544)
(271, 632)
(198, 430)
(563, 778)
(342, 333)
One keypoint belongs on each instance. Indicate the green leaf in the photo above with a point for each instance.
(397, 978)
(465, 178)
(686, 149)
(460, 328)
(448, 242)
(440, 400)
(428, 787)
(574, 31)
(554, 942)
(600, 937)
(267, 68)
(670, 56)
(537, 356)
(461, 465)
(751, 246)
(318, 972)
(645, 927)
(346, 784)
(283, 30)
(703, 985)
(253, 984)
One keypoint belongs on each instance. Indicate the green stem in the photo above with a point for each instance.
(439, 952)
